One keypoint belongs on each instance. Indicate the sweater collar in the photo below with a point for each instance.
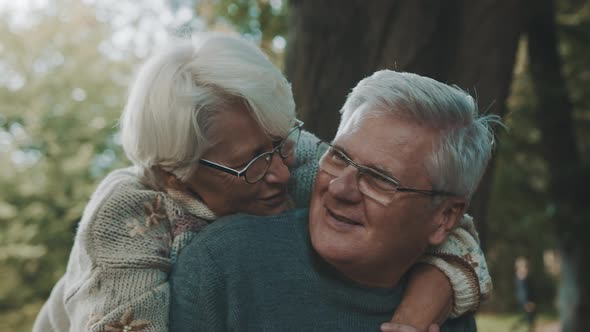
(191, 205)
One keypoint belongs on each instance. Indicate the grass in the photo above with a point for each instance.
(22, 320)
(19, 320)
(489, 322)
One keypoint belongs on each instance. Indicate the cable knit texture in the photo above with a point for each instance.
(462, 261)
(125, 246)
(129, 238)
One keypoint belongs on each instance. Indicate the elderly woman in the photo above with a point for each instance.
(210, 128)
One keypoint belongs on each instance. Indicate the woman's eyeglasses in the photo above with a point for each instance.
(257, 168)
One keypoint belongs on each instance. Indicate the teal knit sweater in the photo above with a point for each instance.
(248, 273)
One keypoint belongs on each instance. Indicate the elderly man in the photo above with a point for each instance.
(407, 157)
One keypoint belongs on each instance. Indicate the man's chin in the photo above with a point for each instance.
(331, 245)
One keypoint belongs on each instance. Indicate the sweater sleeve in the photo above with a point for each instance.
(461, 259)
(128, 242)
(117, 274)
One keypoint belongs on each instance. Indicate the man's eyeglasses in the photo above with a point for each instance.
(256, 169)
(371, 182)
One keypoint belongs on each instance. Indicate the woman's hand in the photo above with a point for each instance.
(427, 300)
(395, 327)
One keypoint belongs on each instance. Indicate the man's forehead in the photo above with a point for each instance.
(354, 126)
(351, 120)
(360, 143)
(385, 141)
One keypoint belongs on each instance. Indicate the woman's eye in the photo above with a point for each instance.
(238, 167)
(277, 141)
(245, 163)
(276, 138)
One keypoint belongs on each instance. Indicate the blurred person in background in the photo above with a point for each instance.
(524, 295)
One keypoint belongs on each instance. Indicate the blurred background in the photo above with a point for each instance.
(65, 67)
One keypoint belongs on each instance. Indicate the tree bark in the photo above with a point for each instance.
(333, 44)
(569, 178)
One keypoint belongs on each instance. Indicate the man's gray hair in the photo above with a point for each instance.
(179, 91)
(466, 138)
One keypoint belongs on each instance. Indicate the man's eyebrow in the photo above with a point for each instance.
(341, 149)
(382, 171)
(372, 166)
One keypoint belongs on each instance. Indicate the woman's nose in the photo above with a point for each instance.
(278, 171)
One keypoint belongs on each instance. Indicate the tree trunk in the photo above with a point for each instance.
(568, 177)
(333, 44)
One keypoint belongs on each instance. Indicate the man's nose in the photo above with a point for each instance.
(344, 187)
(278, 172)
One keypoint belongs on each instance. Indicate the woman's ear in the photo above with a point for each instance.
(448, 216)
(170, 180)
(173, 182)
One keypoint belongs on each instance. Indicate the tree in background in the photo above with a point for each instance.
(264, 22)
(568, 172)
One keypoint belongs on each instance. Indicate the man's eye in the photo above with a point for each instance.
(379, 181)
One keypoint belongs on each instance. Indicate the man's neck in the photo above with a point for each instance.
(386, 276)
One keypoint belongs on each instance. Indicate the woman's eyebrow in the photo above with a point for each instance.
(240, 157)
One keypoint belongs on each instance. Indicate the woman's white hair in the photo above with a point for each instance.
(460, 157)
(179, 91)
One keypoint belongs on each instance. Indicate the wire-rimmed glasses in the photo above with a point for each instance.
(371, 182)
(257, 168)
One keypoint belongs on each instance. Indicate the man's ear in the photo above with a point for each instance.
(447, 217)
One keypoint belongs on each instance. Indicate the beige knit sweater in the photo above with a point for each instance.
(129, 238)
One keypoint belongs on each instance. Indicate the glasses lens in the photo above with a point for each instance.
(377, 187)
(258, 167)
(332, 161)
(370, 183)
(379, 182)
(289, 143)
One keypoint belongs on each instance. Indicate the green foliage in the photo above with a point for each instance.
(519, 222)
(494, 323)
(521, 208)
(262, 21)
(574, 31)
(61, 98)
